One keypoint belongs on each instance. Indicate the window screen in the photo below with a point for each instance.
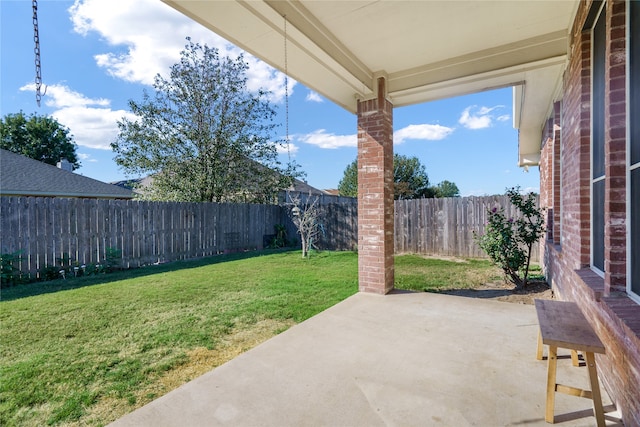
(599, 51)
(634, 148)
(597, 142)
(634, 61)
(634, 255)
(598, 224)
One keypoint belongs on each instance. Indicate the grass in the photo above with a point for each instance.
(419, 273)
(89, 350)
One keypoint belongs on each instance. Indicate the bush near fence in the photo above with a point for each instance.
(44, 230)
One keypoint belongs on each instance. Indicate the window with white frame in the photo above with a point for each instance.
(633, 253)
(598, 61)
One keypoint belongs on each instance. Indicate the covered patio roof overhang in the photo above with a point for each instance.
(426, 50)
(398, 53)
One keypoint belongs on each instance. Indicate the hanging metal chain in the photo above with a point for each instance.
(36, 39)
(286, 88)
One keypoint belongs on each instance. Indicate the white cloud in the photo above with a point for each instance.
(86, 157)
(323, 139)
(59, 96)
(326, 140)
(91, 127)
(313, 97)
(147, 37)
(503, 118)
(475, 117)
(423, 132)
(91, 122)
(475, 193)
(262, 76)
(292, 149)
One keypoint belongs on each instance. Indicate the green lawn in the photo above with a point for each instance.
(417, 273)
(86, 351)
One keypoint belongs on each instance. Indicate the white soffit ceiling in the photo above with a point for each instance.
(427, 49)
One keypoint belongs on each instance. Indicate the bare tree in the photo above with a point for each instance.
(305, 216)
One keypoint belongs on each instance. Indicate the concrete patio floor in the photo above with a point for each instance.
(405, 359)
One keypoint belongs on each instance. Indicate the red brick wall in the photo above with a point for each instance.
(557, 140)
(614, 316)
(375, 195)
(575, 159)
(546, 166)
(546, 178)
(615, 150)
(550, 168)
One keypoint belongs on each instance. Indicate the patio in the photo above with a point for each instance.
(405, 359)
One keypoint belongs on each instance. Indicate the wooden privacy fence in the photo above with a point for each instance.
(338, 224)
(43, 230)
(446, 226)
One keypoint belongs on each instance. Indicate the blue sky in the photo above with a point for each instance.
(96, 56)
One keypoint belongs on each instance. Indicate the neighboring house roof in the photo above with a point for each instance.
(22, 176)
(139, 184)
(303, 187)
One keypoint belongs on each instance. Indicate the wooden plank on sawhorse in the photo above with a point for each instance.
(563, 325)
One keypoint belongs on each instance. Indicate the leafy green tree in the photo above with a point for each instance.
(203, 135)
(446, 189)
(38, 137)
(409, 177)
(348, 185)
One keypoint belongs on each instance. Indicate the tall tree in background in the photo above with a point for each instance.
(348, 185)
(203, 135)
(409, 178)
(38, 137)
(446, 189)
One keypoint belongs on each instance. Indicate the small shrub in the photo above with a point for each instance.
(509, 241)
(280, 239)
(9, 273)
(64, 261)
(112, 260)
(92, 269)
(50, 272)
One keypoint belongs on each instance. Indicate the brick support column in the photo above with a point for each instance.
(375, 193)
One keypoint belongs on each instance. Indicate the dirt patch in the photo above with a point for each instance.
(506, 292)
(202, 360)
(199, 361)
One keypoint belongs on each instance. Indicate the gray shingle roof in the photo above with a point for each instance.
(139, 184)
(303, 187)
(22, 176)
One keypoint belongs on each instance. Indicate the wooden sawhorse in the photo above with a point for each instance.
(562, 324)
